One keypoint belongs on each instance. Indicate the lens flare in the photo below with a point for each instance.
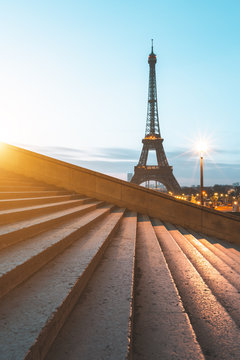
(202, 147)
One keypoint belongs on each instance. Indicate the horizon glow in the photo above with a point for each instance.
(75, 74)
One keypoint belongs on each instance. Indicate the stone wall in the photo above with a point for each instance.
(119, 192)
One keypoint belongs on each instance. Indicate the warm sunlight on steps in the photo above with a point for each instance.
(84, 279)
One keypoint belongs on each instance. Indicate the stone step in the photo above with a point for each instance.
(223, 255)
(78, 281)
(162, 329)
(237, 252)
(33, 313)
(21, 202)
(215, 273)
(18, 214)
(20, 261)
(220, 261)
(229, 249)
(13, 233)
(100, 323)
(210, 320)
(28, 194)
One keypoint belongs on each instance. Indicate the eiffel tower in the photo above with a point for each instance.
(162, 172)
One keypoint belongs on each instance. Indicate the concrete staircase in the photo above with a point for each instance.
(84, 279)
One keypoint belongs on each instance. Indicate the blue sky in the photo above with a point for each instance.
(74, 81)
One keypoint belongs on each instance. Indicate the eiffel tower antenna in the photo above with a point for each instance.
(162, 172)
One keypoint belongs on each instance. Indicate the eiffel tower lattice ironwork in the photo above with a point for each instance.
(162, 172)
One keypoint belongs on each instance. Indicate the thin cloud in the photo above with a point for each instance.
(120, 161)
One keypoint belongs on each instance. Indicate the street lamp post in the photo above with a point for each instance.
(202, 147)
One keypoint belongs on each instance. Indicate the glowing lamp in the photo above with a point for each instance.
(202, 147)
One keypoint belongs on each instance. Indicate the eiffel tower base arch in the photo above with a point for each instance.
(162, 174)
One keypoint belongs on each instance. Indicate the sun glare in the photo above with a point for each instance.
(203, 144)
(202, 147)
